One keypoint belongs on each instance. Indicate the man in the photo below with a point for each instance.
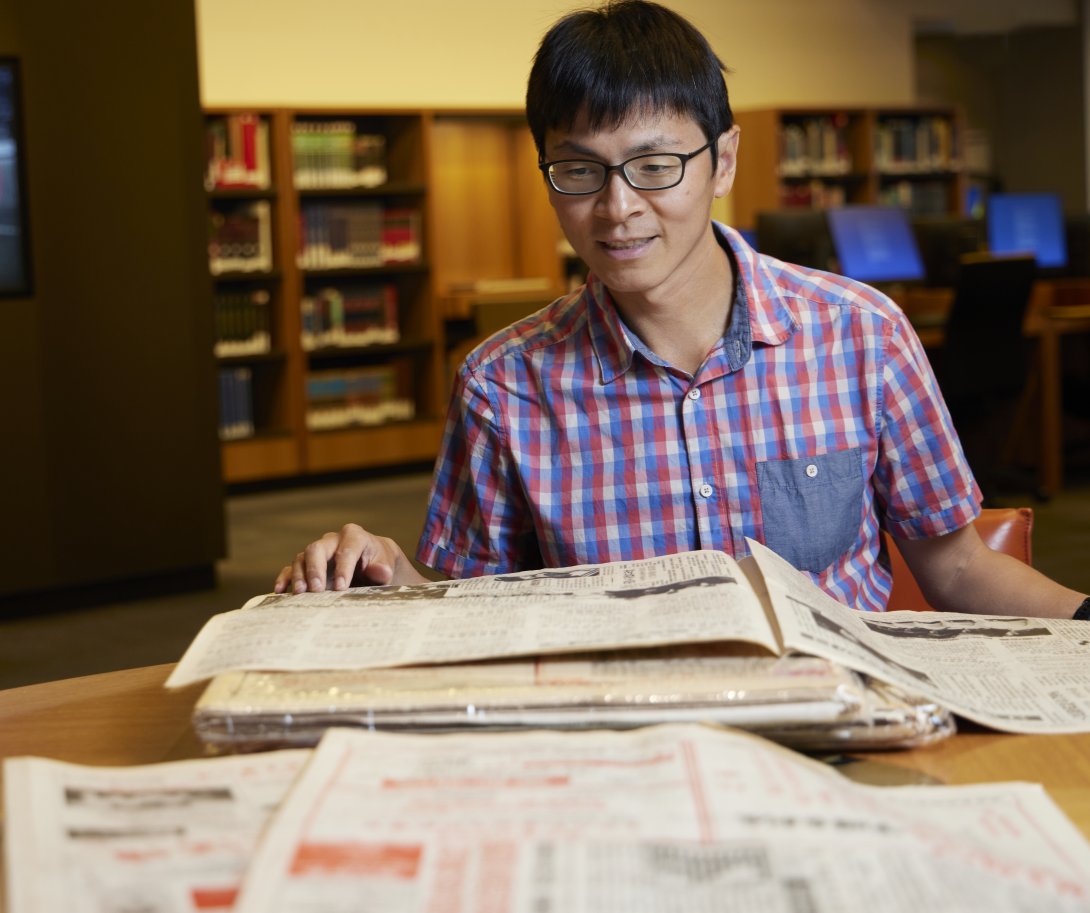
(693, 393)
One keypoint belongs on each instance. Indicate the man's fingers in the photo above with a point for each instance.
(283, 579)
(339, 560)
(360, 558)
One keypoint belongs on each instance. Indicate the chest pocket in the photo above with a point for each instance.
(812, 506)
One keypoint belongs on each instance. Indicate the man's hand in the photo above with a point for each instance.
(352, 557)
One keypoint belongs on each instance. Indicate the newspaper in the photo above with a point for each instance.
(1026, 675)
(163, 838)
(691, 598)
(1014, 674)
(669, 818)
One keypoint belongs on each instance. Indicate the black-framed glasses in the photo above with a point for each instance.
(653, 171)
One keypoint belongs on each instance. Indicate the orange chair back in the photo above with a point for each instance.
(1006, 529)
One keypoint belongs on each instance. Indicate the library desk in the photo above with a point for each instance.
(127, 717)
(1058, 307)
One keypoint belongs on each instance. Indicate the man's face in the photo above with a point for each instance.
(643, 244)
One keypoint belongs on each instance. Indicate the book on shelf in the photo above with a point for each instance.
(915, 144)
(242, 323)
(572, 644)
(812, 194)
(333, 154)
(237, 152)
(357, 397)
(357, 234)
(400, 235)
(920, 197)
(340, 235)
(815, 146)
(236, 403)
(350, 314)
(240, 237)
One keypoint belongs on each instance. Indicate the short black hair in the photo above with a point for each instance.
(621, 60)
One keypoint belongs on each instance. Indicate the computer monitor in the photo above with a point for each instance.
(942, 242)
(798, 236)
(875, 244)
(1028, 223)
(14, 237)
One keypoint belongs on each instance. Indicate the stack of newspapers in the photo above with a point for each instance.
(801, 701)
(694, 637)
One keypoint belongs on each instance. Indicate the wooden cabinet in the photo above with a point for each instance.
(374, 240)
(821, 158)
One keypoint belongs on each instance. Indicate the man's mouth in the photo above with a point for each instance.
(629, 244)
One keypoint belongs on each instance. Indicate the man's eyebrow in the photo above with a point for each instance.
(654, 144)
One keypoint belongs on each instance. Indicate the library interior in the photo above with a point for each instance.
(245, 245)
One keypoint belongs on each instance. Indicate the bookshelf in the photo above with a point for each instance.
(244, 181)
(824, 157)
(350, 251)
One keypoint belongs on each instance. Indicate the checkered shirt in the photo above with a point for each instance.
(812, 424)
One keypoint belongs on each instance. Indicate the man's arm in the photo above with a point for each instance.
(352, 557)
(959, 573)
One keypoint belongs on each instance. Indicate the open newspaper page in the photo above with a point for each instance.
(688, 598)
(163, 838)
(621, 688)
(1015, 674)
(680, 817)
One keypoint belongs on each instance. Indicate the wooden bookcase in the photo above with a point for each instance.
(823, 157)
(271, 448)
(486, 236)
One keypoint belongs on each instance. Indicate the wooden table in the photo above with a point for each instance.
(127, 717)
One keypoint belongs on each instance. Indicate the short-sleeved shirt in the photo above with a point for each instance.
(813, 423)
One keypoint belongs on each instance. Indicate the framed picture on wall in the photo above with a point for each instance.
(15, 272)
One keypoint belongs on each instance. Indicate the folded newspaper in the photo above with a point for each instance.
(574, 630)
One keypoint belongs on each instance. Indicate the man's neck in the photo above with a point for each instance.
(683, 321)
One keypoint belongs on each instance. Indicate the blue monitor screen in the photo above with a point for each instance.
(1028, 223)
(875, 244)
(14, 253)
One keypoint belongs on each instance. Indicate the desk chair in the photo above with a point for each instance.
(984, 363)
(943, 241)
(1007, 529)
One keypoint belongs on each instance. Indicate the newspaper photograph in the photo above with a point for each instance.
(1016, 674)
(687, 598)
(162, 838)
(679, 817)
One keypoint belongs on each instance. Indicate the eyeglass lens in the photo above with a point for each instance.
(644, 172)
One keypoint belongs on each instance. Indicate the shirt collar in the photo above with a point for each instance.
(758, 314)
(771, 322)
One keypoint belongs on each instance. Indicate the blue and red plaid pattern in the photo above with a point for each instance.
(568, 442)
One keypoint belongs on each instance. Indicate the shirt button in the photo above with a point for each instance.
(811, 470)
(693, 394)
(706, 490)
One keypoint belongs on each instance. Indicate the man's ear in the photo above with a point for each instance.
(727, 148)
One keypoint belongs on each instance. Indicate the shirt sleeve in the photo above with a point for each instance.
(922, 478)
(477, 520)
